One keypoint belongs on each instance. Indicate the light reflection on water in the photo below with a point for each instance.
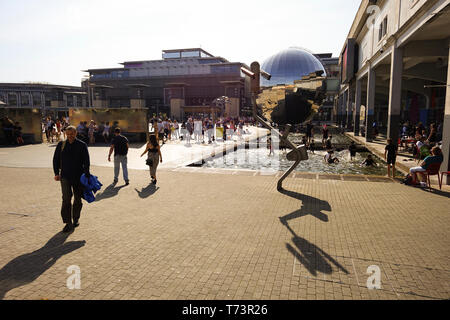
(259, 159)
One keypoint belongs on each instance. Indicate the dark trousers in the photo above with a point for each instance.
(69, 189)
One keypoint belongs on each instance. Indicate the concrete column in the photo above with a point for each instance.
(446, 129)
(176, 108)
(395, 94)
(349, 108)
(356, 115)
(344, 108)
(370, 105)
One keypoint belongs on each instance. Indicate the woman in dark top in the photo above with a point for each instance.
(154, 156)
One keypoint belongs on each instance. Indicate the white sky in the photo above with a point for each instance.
(52, 41)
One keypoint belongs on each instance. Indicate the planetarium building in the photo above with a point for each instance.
(289, 65)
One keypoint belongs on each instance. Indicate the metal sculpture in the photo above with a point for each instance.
(298, 153)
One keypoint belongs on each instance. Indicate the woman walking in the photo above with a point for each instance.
(154, 154)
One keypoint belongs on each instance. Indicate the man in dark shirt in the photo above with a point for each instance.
(390, 155)
(119, 144)
(70, 161)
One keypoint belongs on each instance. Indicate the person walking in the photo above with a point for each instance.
(176, 130)
(91, 131)
(189, 129)
(120, 145)
(106, 132)
(161, 131)
(70, 161)
(154, 156)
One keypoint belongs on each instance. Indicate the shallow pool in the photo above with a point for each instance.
(259, 159)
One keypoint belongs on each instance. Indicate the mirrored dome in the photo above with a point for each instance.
(289, 65)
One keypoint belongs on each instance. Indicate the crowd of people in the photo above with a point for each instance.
(88, 132)
(199, 129)
(419, 140)
(53, 128)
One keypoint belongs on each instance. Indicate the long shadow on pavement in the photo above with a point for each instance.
(309, 255)
(109, 192)
(310, 205)
(437, 192)
(28, 267)
(147, 191)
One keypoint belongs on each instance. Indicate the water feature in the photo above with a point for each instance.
(255, 158)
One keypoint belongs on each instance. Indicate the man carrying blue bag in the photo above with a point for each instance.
(70, 161)
(91, 186)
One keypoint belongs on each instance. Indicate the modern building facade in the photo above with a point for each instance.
(395, 67)
(182, 83)
(332, 70)
(47, 97)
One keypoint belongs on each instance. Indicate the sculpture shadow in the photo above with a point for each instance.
(28, 267)
(147, 191)
(309, 255)
(310, 205)
(110, 192)
(312, 257)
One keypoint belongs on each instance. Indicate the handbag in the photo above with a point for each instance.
(149, 162)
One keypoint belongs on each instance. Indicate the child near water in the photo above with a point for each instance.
(369, 161)
(352, 149)
(312, 146)
(329, 157)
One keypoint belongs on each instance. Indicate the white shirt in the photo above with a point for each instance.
(198, 126)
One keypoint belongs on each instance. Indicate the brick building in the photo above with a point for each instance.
(182, 83)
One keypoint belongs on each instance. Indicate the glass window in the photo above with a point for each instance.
(383, 29)
(209, 61)
(171, 55)
(25, 99)
(37, 99)
(189, 54)
(70, 102)
(48, 99)
(12, 99)
(225, 69)
(204, 55)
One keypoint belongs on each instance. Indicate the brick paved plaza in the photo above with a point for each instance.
(218, 235)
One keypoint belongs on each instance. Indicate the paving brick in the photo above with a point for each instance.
(207, 236)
